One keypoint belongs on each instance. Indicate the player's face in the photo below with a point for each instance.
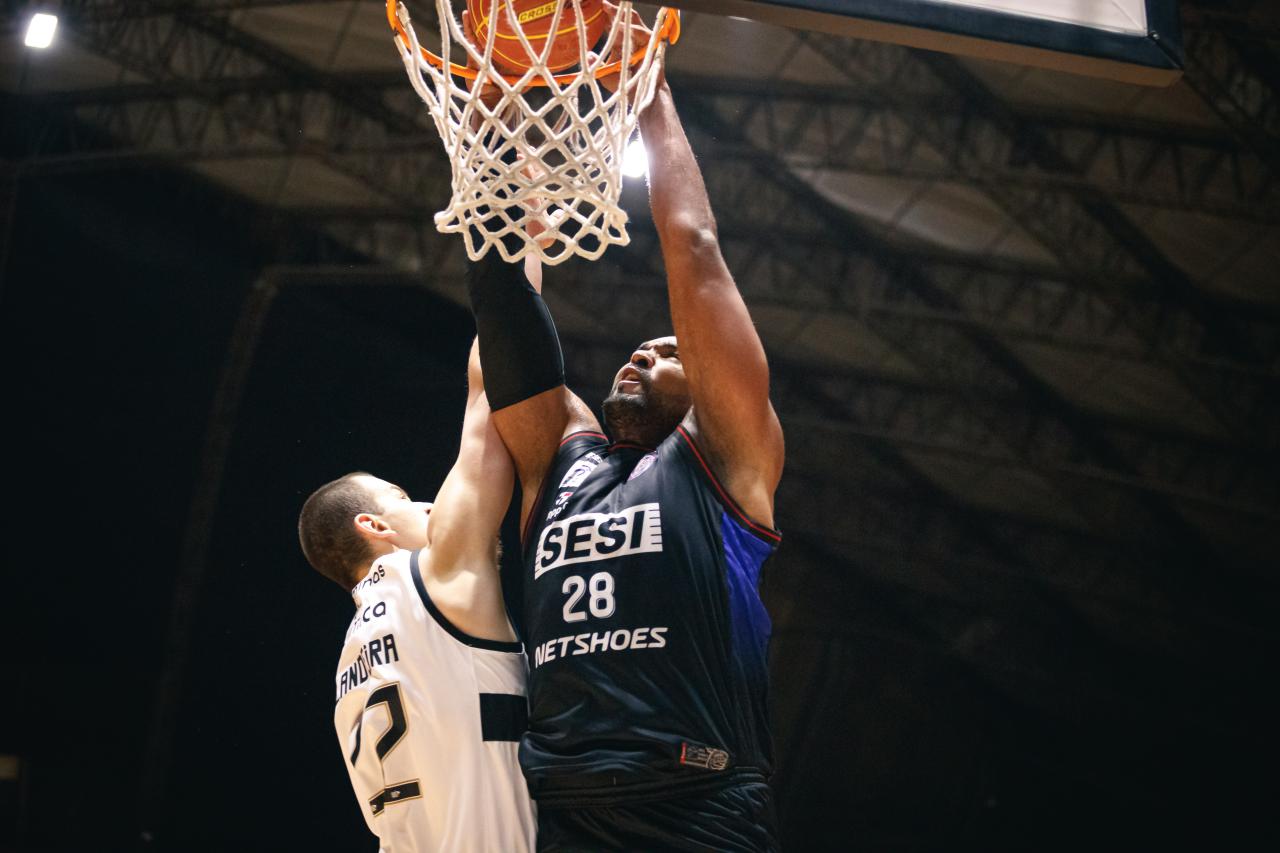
(653, 372)
(407, 518)
(650, 394)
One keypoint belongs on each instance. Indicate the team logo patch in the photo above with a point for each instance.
(643, 465)
(706, 757)
(580, 471)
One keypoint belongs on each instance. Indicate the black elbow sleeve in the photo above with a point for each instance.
(519, 350)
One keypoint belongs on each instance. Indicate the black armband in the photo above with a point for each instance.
(519, 350)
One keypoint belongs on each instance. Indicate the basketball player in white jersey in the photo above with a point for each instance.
(430, 687)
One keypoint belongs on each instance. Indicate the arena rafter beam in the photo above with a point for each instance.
(1086, 234)
(1233, 69)
(1180, 468)
(265, 54)
(942, 354)
(840, 406)
(925, 526)
(869, 131)
(957, 422)
(343, 127)
(191, 47)
(957, 418)
(803, 269)
(1149, 164)
(372, 169)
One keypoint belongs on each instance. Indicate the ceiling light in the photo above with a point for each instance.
(41, 29)
(635, 161)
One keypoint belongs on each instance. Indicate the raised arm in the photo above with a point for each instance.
(722, 356)
(474, 497)
(461, 562)
(524, 369)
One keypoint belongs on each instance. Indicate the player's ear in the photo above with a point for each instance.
(372, 525)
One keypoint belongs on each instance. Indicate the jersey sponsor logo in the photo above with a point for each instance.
(580, 471)
(376, 575)
(617, 640)
(595, 536)
(646, 462)
(377, 652)
(374, 611)
(561, 501)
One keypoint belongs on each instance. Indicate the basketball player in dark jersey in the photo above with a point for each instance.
(643, 547)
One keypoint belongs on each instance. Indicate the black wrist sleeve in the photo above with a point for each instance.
(519, 350)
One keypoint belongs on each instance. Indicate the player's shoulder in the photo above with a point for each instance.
(391, 585)
(688, 444)
(579, 454)
(579, 440)
(683, 444)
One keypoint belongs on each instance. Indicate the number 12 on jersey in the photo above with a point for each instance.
(398, 792)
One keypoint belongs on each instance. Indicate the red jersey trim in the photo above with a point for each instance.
(765, 532)
(625, 445)
(571, 436)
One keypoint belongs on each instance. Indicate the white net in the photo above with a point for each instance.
(537, 157)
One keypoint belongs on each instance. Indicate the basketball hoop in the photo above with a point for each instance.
(536, 156)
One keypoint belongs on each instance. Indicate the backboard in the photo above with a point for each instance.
(1136, 41)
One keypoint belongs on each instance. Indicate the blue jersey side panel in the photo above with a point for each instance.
(744, 554)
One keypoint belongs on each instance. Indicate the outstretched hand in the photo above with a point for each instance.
(545, 218)
(640, 35)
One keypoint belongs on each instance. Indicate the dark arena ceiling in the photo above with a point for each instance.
(1024, 332)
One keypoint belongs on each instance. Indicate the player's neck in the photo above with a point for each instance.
(378, 550)
(635, 425)
(644, 437)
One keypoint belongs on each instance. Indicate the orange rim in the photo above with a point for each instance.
(669, 31)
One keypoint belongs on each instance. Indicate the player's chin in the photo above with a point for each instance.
(623, 398)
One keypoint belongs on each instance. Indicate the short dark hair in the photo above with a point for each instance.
(329, 540)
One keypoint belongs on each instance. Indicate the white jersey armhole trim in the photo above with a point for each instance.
(449, 628)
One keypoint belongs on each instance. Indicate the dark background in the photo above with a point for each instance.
(119, 302)
(114, 354)
(1026, 594)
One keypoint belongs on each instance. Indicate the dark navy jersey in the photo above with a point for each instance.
(645, 632)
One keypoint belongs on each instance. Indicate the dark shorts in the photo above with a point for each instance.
(740, 818)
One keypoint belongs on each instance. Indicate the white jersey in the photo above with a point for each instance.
(429, 720)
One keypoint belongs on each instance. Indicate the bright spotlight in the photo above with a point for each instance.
(41, 29)
(635, 161)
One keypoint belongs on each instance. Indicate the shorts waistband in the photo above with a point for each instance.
(644, 792)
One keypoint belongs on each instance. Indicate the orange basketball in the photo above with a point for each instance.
(534, 18)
